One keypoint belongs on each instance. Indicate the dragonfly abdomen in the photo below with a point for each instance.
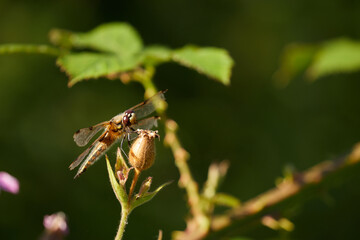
(98, 150)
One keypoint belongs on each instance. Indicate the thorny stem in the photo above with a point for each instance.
(297, 185)
(181, 157)
(180, 154)
(198, 226)
(201, 221)
(144, 76)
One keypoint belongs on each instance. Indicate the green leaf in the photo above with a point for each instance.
(119, 191)
(295, 59)
(337, 56)
(213, 62)
(80, 66)
(119, 38)
(156, 54)
(146, 197)
(28, 48)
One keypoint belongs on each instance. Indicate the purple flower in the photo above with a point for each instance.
(56, 224)
(8, 183)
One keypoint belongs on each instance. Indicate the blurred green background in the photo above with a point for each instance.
(257, 126)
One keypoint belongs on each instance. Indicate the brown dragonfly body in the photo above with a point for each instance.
(121, 126)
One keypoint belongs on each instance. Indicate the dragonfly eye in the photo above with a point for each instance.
(129, 118)
(132, 118)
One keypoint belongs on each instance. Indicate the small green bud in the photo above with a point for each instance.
(145, 186)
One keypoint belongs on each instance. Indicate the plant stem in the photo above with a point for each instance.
(144, 77)
(124, 216)
(29, 48)
(200, 219)
(180, 154)
(181, 157)
(299, 187)
(133, 184)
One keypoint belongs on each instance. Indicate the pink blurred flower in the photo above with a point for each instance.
(55, 226)
(56, 223)
(8, 183)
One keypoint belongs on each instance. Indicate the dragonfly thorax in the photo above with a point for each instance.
(119, 126)
(129, 118)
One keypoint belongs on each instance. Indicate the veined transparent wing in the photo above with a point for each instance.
(95, 154)
(76, 163)
(146, 123)
(84, 135)
(147, 107)
(91, 155)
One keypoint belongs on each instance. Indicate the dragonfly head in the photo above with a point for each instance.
(129, 118)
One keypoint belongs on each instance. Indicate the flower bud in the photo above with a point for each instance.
(145, 186)
(120, 164)
(142, 151)
(121, 168)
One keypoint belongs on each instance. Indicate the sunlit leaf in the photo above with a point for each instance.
(337, 56)
(156, 54)
(80, 66)
(119, 191)
(120, 50)
(117, 37)
(295, 59)
(146, 197)
(213, 62)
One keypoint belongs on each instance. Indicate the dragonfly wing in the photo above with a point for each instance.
(96, 153)
(76, 163)
(147, 107)
(84, 135)
(146, 123)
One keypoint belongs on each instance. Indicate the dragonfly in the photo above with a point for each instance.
(122, 126)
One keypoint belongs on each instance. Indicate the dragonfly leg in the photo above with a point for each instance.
(128, 140)
(121, 146)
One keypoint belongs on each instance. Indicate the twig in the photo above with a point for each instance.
(200, 223)
(160, 235)
(201, 208)
(29, 48)
(287, 189)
